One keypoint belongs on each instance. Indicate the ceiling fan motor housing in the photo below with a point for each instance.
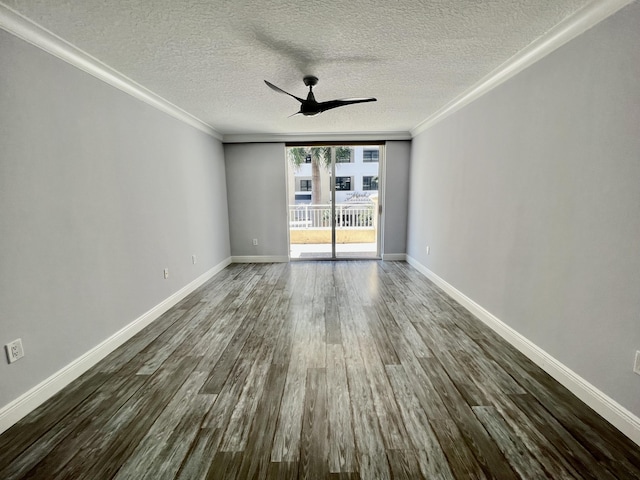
(310, 80)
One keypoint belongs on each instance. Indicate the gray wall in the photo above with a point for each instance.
(396, 193)
(256, 183)
(98, 193)
(530, 200)
(256, 192)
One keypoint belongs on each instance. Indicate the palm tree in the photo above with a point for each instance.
(320, 156)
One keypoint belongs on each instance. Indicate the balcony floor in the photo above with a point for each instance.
(323, 250)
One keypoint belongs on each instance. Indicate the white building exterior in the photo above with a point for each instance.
(356, 177)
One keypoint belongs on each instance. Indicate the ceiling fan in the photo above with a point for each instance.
(310, 106)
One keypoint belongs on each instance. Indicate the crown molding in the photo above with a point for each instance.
(29, 31)
(568, 29)
(314, 137)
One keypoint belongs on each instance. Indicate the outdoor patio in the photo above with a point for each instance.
(323, 250)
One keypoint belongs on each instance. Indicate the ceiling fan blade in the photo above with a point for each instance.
(356, 100)
(279, 90)
(324, 106)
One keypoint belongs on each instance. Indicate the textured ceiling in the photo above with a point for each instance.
(209, 57)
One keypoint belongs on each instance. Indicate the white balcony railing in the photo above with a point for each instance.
(348, 216)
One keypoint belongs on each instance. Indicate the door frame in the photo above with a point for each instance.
(381, 193)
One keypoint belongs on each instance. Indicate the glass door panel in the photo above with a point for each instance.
(333, 218)
(356, 200)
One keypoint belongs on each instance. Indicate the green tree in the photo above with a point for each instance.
(320, 157)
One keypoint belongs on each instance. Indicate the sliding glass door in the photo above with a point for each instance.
(334, 203)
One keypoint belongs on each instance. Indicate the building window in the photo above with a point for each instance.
(370, 183)
(343, 183)
(305, 186)
(370, 155)
(343, 155)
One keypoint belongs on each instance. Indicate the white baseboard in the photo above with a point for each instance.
(29, 401)
(260, 259)
(612, 411)
(394, 257)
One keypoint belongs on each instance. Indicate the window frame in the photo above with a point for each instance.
(306, 185)
(349, 181)
(347, 159)
(371, 151)
(371, 183)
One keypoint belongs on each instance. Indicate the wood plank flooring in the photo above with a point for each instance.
(317, 370)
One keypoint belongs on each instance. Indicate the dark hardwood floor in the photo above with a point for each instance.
(329, 370)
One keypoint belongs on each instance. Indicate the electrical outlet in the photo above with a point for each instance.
(14, 350)
(255, 241)
(636, 365)
(193, 259)
(428, 250)
(166, 273)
